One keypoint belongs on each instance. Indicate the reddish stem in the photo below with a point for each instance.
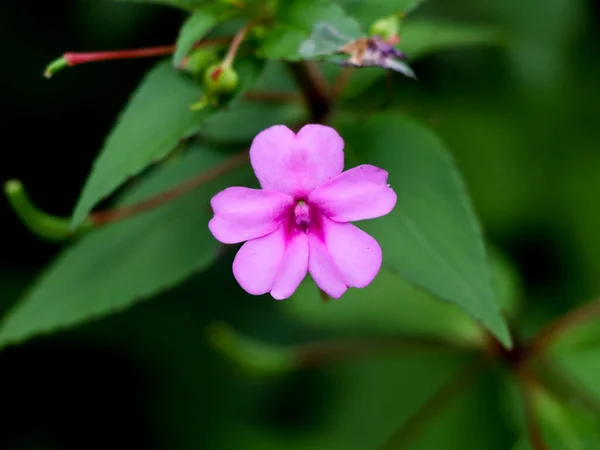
(74, 59)
(557, 328)
(117, 214)
(528, 385)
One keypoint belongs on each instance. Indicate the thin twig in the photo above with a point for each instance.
(528, 385)
(341, 81)
(325, 352)
(236, 42)
(113, 215)
(411, 428)
(557, 328)
(314, 89)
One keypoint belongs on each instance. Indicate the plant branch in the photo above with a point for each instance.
(325, 352)
(528, 385)
(114, 215)
(314, 89)
(557, 328)
(236, 42)
(403, 436)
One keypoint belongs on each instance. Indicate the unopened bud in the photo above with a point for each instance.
(220, 79)
(386, 27)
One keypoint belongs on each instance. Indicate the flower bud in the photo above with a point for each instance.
(386, 27)
(220, 79)
(199, 59)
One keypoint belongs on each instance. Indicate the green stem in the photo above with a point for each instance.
(44, 225)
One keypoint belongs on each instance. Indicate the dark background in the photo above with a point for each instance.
(521, 120)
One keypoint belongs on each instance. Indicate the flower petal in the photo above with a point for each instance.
(296, 163)
(257, 263)
(323, 269)
(356, 254)
(293, 267)
(242, 213)
(357, 194)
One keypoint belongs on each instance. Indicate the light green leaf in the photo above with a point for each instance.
(195, 28)
(390, 305)
(368, 12)
(120, 264)
(156, 118)
(296, 20)
(432, 236)
(562, 427)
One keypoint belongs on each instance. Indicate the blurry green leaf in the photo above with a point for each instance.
(432, 236)
(562, 427)
(390, 305)
(374, 398)
(120, 264)
(296, 20)
(156, 118)
(195, 28)
(368, 12)
(421, 38)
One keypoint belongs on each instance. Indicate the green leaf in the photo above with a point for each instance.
(295, 23)
(156, 118)
(368, 12)
(118, 265)
(562, 427)
(195, 28)
(432, 237)
(390, 305)
(423, 37)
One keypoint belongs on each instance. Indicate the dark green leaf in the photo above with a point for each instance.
(156, 118)
(296, 21)
(432, 237)
(368, 12)
(195, 28)
(120, 264)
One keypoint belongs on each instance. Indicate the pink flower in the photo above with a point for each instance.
(298, 221)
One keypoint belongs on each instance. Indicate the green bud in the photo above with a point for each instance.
(199, 59)
(220, 79)
(386, 27)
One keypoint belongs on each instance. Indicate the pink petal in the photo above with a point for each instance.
(293, 267)
(257, 263)
(323, 269)
(296, 164)
(242, 213)
(357, 194)
(356, 254)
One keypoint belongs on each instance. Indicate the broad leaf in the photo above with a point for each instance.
(296, 21)
(432, 237)
(157, 117)
(118, 265)
(390, 305)
(154, 122)
(195, 28)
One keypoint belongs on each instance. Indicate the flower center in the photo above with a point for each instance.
(302, 214)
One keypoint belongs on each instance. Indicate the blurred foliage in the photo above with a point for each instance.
(510, 88)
